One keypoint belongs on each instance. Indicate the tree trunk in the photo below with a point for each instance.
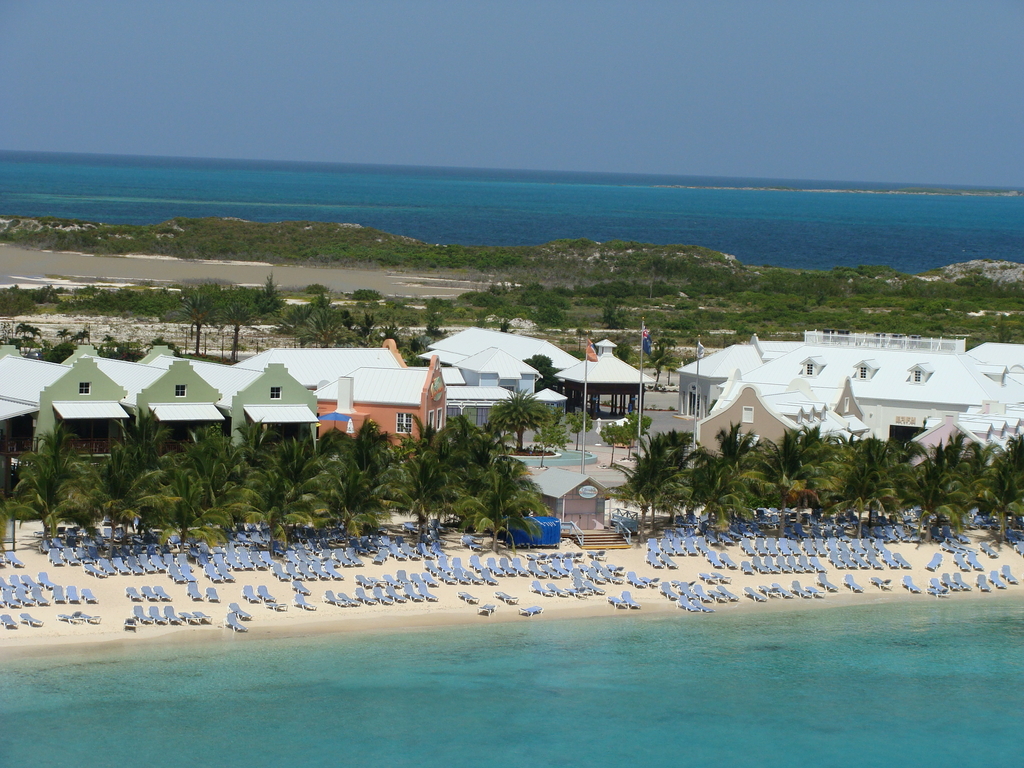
(199, 333)
(234, 344)
(641, 531)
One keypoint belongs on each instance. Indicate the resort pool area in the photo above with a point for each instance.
(569, 459)
(902, 684)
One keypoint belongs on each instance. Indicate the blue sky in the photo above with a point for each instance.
(926, 92)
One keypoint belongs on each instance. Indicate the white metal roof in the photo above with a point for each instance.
(473, 340)
(1009, 355)
(226, 379)
(86, 409)
(401, 386)
(446, 357)
(281, 414)
(497, 361)
(313, 367)
(453, 377)
(186, 412)
(22, 378)
(955, 378)
(477, 394)
(550, 396)
(384, 386)
(12, 408)
(557, 482)
(607, 370)
(134, 377)
(723, 362)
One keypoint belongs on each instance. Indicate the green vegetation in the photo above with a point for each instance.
(208, 486)
(855, 484)
(681, 291)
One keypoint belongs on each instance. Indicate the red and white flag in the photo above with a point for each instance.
(591, 352)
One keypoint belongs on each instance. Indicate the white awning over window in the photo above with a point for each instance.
(281, 414)
(186, 412)
(97, 409)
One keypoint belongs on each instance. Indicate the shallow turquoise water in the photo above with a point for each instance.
(925, 684)
(474, 206)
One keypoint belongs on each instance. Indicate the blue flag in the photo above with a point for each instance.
(645, 339)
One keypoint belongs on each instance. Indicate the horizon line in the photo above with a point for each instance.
(829, 184)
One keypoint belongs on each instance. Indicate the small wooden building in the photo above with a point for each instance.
(573, 497)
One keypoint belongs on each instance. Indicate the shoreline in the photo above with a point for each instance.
(56, 638)
(406, 621)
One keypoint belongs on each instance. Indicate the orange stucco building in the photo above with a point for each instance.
(394, 398)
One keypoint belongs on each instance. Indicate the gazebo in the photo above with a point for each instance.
(609, 378)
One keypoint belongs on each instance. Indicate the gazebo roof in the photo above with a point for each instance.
(607, 370)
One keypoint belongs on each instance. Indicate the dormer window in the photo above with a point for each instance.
(812, 366)
(920, 373)
(865, 369)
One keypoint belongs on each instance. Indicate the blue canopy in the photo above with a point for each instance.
(335, 416)
(550, 534)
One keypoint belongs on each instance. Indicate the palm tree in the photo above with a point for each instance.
(283, 493)
(27, 331)
(366, 325)
(323, 328)
(520, 412)
(182, 511)
(661, 357)
(501, 505)
(790, 468)
(720, 487)
(237, 314)
(424, 487)
(200, 309)
(937, 485)
(294, 321)
(216, 467)
(655, 482)
(119, 492)
(862, 477)
(53, 482)
(354, 497)
(144, 438)
(1003, 492)
(735, 446)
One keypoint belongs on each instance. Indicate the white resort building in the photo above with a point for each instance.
(885, 385)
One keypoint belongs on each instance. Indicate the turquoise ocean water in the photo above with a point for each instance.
(924, 684)
(443, 205)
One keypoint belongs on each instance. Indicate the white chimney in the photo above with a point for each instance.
(345, 395)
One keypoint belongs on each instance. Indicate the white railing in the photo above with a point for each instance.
(829, 338)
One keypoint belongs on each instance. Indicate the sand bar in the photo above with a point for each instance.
(26, 266)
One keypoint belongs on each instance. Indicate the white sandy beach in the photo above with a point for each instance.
(114, 607)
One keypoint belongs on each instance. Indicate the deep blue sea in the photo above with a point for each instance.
(925, 684)
(448, 205)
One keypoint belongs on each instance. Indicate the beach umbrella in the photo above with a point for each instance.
(338, 419)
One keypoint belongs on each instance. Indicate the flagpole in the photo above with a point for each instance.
(583, 451)
(640, 394)
(696, 404)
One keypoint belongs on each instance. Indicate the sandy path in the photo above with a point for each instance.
(26, 267)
